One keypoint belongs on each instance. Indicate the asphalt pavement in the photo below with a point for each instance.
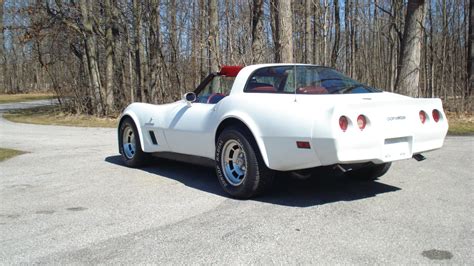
(70, 200)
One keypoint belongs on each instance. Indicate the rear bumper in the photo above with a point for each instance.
(380, 148)
(352, 148)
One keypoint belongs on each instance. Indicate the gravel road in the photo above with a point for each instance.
(70, 200)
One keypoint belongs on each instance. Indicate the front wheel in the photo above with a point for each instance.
(130, 146)
(370, 172)
(239, 165)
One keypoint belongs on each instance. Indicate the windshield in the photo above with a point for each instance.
(219, 86)
(304, 80)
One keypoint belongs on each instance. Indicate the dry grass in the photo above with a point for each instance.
(14, 98)
(50, 115)
(53, 115)
(8, 153)
(461, 124)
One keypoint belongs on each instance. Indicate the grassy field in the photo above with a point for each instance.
(14, 98)
(461, 124)
(8, 153)
(52, 115)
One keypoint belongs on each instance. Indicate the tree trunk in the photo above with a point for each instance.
(203, 37)
(347, 32)
(308, 34)
(155, 49)
(3, 58)
(326, 33)
(409, 74)
(175, 80)
(91, 53)
(275, 18)
(214, 54)
(285, 25)
(137, 14)
(257, 32)
(337, 34)
(470, 56)
(109, 55)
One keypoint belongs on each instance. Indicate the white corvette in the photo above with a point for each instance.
(254, 121)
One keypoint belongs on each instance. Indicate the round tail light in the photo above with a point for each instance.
(343, 123)
(436, 115)
(422, 117)
(361, 122)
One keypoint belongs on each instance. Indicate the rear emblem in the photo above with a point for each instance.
(392, 118)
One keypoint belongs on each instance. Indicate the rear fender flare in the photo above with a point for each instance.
(252, 127)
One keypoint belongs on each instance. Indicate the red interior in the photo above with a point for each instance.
(215, 98)
(264, 89)
(230, 71)
(312, 90)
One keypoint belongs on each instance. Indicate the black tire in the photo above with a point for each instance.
(370, 172)
(137, 157)
(257, 177)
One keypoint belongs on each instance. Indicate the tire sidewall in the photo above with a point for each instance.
(136, 160)
(251, 179)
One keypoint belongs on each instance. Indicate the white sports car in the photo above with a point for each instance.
(251, 122)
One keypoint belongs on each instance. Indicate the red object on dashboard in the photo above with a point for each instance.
(230, 71)
(312, 90)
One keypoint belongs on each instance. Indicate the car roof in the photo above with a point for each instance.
(244, 74)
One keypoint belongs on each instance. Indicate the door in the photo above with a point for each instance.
(190, 128)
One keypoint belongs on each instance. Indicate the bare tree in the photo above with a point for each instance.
(3, 58)
(174, 45)
(337, 34)
(110, 47)
(138, 48)
(326, 32)
(309, 15)
(91, 54)
(257, 32)
(214, 54)
(409, 74)
(470, 63)
(156, 54)
(285, 25)
(203, 37)
(275, 18)
(104, 54)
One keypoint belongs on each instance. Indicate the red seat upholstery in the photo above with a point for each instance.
(215, 98)
(263, 89)
(312, 90)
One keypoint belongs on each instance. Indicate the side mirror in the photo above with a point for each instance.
(189, 97)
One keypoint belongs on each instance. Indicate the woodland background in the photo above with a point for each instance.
(98, 56)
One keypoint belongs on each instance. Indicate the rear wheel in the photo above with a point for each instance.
(370, 172)
(239, 165)
(130, 146)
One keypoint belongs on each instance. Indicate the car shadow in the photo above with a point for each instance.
(326, 187)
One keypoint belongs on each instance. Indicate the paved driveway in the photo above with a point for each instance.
(69, 200)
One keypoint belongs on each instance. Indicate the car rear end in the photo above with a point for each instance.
(380, 128)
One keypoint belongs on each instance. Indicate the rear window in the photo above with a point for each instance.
(303, 80)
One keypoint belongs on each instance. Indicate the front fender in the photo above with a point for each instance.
(132, 111)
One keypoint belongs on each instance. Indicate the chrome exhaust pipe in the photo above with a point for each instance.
(342, 169)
